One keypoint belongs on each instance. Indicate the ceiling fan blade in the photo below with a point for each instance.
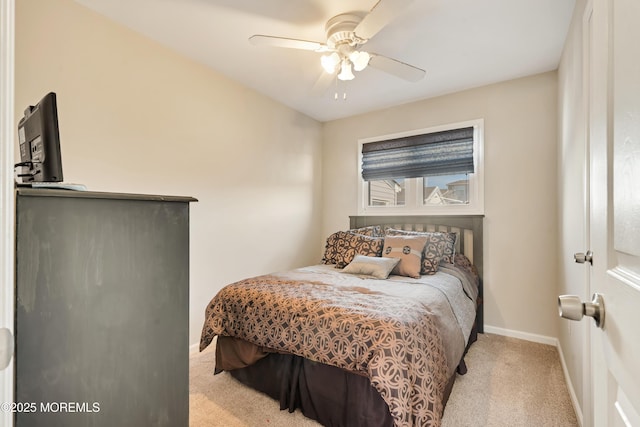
(397, 68)
(262, 40)
(322, 84)
(382, 13)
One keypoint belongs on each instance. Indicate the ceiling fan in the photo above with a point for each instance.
(346, 33)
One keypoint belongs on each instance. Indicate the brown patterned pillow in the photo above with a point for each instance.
(463, 262)
(409, 250)
(371, 230)
(450, 240)
(342, 246)
(331, 248)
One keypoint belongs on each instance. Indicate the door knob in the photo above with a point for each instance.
(581, 258)
(571, 307)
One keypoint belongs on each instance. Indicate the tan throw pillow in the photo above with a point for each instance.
(409, 250)
(377, 267)
(448, 255)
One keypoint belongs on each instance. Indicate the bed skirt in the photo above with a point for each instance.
(327, 394)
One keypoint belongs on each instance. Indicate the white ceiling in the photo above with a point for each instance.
(460, 43)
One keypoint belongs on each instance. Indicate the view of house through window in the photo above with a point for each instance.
(436, 190)
(387, 192)
(446, 190)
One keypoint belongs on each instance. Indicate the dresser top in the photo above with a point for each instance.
(49, 192)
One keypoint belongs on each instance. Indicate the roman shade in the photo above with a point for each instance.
(438, 153)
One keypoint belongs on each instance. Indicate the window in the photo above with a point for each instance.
(436, 171)
(386, 192)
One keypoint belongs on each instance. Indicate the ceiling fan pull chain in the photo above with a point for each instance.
(335, 95)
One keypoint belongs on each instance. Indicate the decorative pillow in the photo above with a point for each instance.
(372, 230)
(409, 250)
(450, 240)
(377, 267)
(450, 247)
(465, 263)
(342, 246)
(331, 247)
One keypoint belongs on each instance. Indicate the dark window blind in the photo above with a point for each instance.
(438, 153)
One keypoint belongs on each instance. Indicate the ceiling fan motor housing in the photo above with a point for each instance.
(339, 31)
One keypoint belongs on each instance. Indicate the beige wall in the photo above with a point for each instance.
(136, 117)
(520, 246)
(273, 183)
(573, 336)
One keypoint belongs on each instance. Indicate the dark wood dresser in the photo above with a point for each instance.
(102, 309)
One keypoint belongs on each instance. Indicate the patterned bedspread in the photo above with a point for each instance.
(404, 334)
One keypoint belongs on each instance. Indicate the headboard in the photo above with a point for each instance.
(469, 242)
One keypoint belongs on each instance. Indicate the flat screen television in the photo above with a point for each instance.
(39, 139)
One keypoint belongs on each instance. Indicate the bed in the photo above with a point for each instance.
(354, 349)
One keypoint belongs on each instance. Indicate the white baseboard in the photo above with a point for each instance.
(542, 339)
(567, 379)
(194, 348)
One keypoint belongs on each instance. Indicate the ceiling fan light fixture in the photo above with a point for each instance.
(345, 72)
(360, 60)
(330, 62)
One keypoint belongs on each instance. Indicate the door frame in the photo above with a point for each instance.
(587, 54)
(7, 201)
(598, 133)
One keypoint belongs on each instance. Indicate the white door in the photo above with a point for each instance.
(6, 209)
(615, 210)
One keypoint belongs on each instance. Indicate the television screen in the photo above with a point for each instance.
(39, 140)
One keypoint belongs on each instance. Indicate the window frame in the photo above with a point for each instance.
(414, 203)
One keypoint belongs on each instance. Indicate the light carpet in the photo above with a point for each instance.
(510, 382)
